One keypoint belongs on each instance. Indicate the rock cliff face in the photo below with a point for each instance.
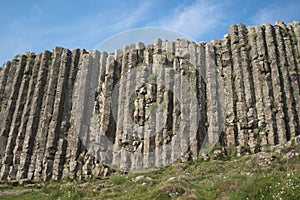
(73, 113)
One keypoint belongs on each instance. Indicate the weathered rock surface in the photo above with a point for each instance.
(73, 113)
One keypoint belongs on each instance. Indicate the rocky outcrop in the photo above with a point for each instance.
(80, 113)
(263, 85)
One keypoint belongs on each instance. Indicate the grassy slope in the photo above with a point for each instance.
(252, 177)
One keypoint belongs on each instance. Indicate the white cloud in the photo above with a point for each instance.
(126, 20)
(194, 20)
(285, 11)
(104, 25)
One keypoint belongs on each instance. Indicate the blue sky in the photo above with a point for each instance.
(39, 25)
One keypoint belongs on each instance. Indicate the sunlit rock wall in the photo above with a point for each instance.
(80, 113)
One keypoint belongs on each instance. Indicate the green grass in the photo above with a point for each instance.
(271, 186)
(234, 178)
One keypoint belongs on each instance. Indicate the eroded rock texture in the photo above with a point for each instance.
(73, 113)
